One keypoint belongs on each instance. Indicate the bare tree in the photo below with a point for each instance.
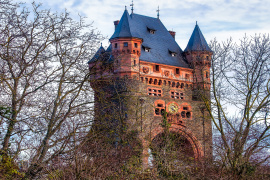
(240, 104)
(44, 82)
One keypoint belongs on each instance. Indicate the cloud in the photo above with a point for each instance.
(216, 18)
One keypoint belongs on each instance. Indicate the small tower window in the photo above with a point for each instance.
(134, 62)
(125, 44)
(207, 74)
(135, 45)
(177, 71)
(207, 57)
(115, 45)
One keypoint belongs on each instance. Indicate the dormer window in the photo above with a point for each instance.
(125, 44)
(172, 53)
(115, 45)
(151, 31)
(146, 49)
(135, 45)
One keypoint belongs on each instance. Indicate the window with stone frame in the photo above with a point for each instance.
(159, 109)
(176, 94)
(154, 92)
(186, 112)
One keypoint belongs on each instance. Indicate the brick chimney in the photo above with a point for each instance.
(172, 33)
(116, 23)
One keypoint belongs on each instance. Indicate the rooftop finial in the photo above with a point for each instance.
(196, 23)
(158, 12)
(125, 7)
(101, 45)
(132, 7)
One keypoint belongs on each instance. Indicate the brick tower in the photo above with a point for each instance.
(144, 79)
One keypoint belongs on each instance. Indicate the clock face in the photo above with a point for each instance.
(173, 108)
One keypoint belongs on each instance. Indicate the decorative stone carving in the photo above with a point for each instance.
(166, 73)
(146, 70)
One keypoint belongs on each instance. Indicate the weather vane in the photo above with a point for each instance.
(158, 12)
(132, 7)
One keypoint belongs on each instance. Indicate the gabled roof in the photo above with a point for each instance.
(99, 53)
(160, 42)
(197, 41)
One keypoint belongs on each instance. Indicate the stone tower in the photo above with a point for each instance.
(144, 80)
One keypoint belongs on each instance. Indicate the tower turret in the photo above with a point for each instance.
(126, 47)
(198, 55)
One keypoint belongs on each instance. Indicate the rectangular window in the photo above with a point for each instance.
(154, 92)
(177, 95)
(125, 44)
(135, 45)
(115, 45)
(177, 71)
(156, 68)
(134, 62)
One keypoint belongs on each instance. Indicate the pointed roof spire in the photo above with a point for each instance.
(132, 7)
(158, 12)
(197, 41)
(123, 28)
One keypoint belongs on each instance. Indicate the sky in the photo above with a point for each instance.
(220, 19)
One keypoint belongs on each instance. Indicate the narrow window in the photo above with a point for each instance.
(207, 74)
(177, 71)
(188, 114)
(156, 67)
(157, 111)
(134, 62)
(183, 114)
(135, 45)
(207, 57)
(125, 44)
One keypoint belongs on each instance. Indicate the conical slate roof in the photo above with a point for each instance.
(197, 41)
(99, 52)
(124, 28)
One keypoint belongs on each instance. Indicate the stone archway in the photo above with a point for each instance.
(184, 145)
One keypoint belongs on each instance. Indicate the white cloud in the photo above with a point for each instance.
(216, 18)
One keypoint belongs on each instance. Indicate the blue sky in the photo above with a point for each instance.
(219, 19)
